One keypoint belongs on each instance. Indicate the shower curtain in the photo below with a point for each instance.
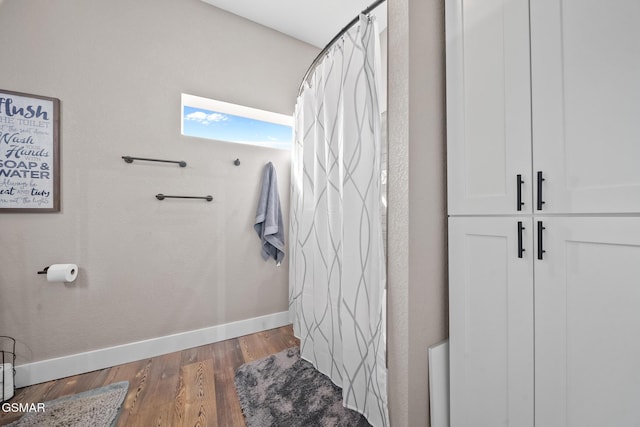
(337, 275)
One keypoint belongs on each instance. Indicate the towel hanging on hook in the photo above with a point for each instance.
(268, 224)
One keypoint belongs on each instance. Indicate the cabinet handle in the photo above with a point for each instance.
(540, 249)
(520, 247)
(519, 202)
(540, 180)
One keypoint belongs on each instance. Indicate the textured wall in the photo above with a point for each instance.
(398, 212)
(417, 203)
(147, 268)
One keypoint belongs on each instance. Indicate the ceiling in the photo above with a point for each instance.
(313, 21)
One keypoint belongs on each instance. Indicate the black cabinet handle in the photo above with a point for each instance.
(520, 247)
(540, 180)
(519, 202)
(540, 248)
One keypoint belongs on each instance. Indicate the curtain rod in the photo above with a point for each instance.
(336, 38)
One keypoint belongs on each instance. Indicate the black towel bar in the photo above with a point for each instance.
(130, 159)
(162, 197)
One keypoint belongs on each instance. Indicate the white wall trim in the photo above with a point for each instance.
(61, 367)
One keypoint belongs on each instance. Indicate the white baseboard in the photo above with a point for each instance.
(61, 367)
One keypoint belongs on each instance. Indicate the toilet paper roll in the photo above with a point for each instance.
(6, 381)
(62, 273)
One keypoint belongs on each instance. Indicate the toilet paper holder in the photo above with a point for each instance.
(60, 272)
(44, 270)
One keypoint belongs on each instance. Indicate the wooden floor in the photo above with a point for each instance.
(193, 387)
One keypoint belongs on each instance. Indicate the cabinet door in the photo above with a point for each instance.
(585, 59)
(491, 322)
(587, 323)
(488, 106)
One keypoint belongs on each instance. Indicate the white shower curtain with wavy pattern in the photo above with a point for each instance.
(337, 265)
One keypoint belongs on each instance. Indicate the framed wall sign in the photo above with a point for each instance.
(29, 153)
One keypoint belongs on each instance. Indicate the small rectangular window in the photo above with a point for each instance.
(222, 121)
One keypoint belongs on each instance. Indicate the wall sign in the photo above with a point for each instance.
(29, 148)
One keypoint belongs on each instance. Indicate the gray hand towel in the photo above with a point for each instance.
(268, 223)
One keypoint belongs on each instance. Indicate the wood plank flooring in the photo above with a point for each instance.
(189, 388)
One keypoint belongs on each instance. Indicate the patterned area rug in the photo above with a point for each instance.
(284, 390)
(96, 408)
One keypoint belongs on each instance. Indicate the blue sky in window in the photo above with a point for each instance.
(228, 127)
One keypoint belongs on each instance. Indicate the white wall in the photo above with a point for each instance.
(147, 268)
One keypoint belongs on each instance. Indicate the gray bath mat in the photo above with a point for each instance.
(96, 408)
(284, 390)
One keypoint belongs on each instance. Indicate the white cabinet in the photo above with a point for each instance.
(587, 323)
(583, 302)
(543, 130)
(585, 62)
(491, 312)
(552, 92)
(488, 106)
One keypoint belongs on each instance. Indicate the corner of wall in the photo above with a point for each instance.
(417, 203)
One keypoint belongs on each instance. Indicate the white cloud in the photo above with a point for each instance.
(216, 117)
(197, 115)
(204, 118)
